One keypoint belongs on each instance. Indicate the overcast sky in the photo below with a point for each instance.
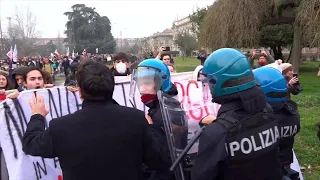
(135, 18)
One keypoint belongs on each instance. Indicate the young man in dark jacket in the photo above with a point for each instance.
(109, 141)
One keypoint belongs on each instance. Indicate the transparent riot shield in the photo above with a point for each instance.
(181, 124)
(132, 92)
(176, 128)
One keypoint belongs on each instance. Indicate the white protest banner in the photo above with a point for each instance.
(15, 114)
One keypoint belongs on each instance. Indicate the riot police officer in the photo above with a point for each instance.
(242, 143)
(151, 76)
(274, 86)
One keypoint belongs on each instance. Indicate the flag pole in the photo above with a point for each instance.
(10, 67)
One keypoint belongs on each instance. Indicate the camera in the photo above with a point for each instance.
(297, 84)
(166, 48)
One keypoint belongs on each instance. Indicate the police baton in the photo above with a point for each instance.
(186, 149)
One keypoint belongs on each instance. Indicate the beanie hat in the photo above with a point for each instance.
(286, 67)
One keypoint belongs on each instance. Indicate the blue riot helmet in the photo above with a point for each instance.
(272, 83)
(227, 71)
(151, 76)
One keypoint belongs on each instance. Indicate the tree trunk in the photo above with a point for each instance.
(296, 48)
(274, 50)
(280, 55)
(277, 51)
(290, 54)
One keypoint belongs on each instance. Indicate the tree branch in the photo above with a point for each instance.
(281, 20)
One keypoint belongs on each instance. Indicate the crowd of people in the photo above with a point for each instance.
(115, 142)
(15, 76)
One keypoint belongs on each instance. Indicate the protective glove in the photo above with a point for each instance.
(207, 120)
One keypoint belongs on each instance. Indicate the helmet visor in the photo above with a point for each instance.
(208, 84)
(148, 80)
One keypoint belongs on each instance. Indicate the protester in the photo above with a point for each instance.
(164, 56)
(241, 121)
(96, 148)
(5, 85)
(172, 69)
(264, 59)
(33, 78)
(71, 79)
(47, 78)
(47, 67)
(121, 66)
(274, 86)
(202, 56)
(293, 81)
(17, 75)
(66, 66)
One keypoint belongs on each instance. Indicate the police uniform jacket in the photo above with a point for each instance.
(242, 145)
(289, 125)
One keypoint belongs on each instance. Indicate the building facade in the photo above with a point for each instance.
(153, 43)
(166, 38)
(182, 25)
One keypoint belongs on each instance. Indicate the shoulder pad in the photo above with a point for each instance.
(291, 107)
(228, 120)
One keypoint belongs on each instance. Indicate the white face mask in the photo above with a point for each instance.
(121, 68)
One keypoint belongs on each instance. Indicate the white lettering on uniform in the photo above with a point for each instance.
(272, 136)
(243, 147)
(255, 148)
(234, 146)
(266, 133)
(248, 145)
(288, 131)
(262, 142)
(276, 133)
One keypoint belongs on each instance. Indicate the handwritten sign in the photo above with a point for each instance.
(15, 115)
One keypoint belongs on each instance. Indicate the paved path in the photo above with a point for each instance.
(59, 79)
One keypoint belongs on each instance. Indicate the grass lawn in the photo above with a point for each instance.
(186, 64)
(307, 146)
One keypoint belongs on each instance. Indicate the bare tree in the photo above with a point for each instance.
(186, 42)
(308, 18)
(22, 30)
(230, 23)
(155, 45)
(227, 19)
(145, 48)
